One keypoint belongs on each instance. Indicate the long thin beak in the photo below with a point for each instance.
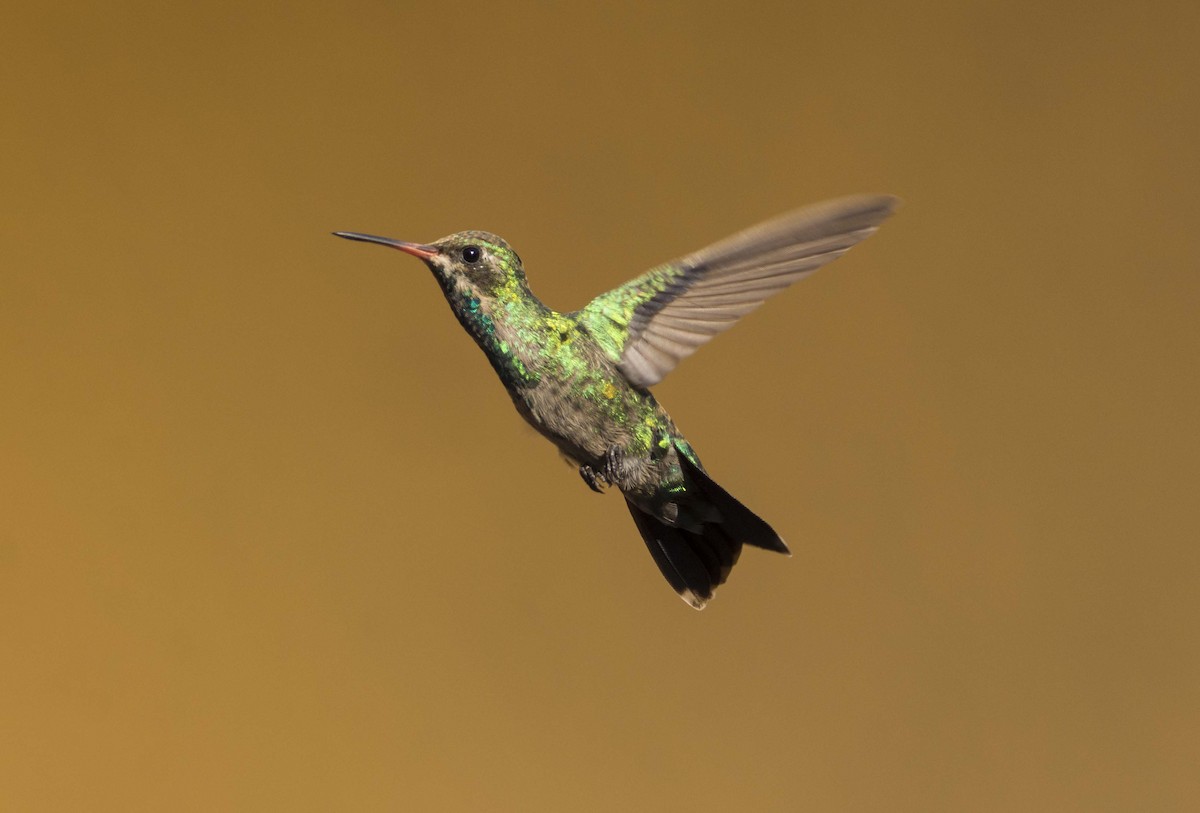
(416, 249)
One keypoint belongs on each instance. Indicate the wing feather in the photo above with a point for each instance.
(650, 324)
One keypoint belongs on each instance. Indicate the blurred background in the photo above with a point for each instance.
(273, 538)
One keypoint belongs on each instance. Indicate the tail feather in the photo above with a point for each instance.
(742, 523)
(696, 562)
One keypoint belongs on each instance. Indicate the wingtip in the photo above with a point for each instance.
(892, 202)
(864, 211)
(885, 204)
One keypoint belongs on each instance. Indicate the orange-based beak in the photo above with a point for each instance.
(415, 249)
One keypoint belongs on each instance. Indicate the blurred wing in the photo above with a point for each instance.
(650, 324)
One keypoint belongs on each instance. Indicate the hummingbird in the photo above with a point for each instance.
(582, 379)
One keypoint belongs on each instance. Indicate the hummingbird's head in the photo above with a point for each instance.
(479, 260)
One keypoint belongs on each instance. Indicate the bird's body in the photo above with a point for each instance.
(582, 379)
(561, 381)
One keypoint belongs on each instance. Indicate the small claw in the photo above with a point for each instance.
(589, 476)
(614, 465)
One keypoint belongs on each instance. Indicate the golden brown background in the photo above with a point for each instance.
(273, 538)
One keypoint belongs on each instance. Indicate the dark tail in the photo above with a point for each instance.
(696, 562)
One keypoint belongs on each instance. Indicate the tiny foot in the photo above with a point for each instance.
(614, 465)
(589, 476)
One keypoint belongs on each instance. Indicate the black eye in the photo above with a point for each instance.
(471, 254)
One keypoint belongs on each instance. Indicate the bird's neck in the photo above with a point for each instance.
(508, 324)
